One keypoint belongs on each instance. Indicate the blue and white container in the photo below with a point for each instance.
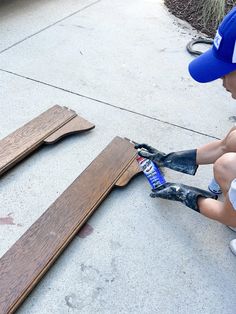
(152, 172)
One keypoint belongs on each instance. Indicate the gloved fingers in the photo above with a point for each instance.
(137, 145)
(161, 187)
(158, 193)
(163, 191)
(146, 154)
(153, 195)
(149, 148)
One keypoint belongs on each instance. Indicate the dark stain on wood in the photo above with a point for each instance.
(48, 127)
(24, 264)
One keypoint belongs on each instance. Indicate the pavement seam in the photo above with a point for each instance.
(49, 26)
(109, 104)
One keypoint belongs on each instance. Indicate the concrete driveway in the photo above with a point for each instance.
(123, 66)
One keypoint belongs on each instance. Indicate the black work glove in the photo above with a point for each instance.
(149, 152)
(188, 195)
(182, 161)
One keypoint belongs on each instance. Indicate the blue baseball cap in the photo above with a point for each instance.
(221, 58)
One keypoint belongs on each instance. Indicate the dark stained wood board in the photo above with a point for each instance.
(23, 265)
(76, 125)
(132, 171)
(24, 140)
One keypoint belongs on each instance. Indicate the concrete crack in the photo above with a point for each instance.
(45, 28)
(112, 105)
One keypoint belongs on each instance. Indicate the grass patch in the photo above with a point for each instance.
(204, 15)
(213, 12)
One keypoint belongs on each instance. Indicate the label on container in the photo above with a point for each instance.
(152, 172)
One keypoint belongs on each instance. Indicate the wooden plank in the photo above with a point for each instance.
(24, 140)
(76, 125)
(30, 257)
(131, 172)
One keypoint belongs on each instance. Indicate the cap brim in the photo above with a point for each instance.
(207, 67)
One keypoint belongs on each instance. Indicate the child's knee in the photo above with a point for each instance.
(225, 168)
(230, 142)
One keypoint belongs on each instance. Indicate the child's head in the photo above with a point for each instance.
(220, 60)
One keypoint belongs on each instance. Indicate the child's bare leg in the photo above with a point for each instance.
(209, 153)
(225, 173)
(220, 211)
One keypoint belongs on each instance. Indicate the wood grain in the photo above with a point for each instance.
(30, 257)
(24, 140)
(76, 125)
(132, 171)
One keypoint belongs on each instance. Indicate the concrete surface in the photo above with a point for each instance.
(123, 66)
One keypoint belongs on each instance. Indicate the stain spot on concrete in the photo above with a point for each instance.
(71, 301)
(232, 118)
(89, 268)
(8, 220)
(110, 280)
(74, 302)
(85, 231)
(115, 245)
(114, 265)
(79, 26)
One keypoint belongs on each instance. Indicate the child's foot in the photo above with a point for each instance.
(214, 187)
(232, 246)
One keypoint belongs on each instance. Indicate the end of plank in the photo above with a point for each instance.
(76, 125)
(130, 173)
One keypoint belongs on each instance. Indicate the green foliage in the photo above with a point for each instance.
(213, 11)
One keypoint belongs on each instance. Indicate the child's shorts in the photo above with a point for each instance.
(232, 193)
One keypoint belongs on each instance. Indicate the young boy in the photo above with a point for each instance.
(217, 62)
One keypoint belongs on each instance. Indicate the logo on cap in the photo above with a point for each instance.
(217, 40)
